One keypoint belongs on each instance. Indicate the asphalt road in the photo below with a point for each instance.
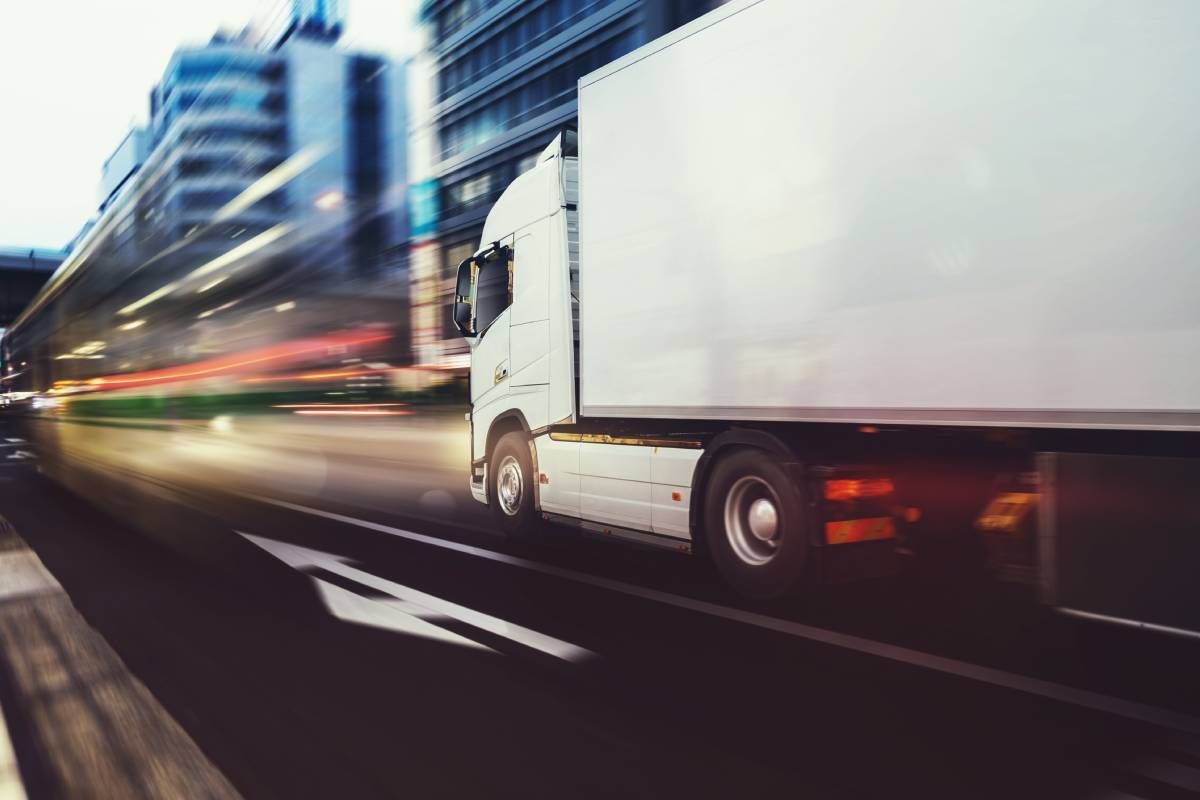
(333, 638)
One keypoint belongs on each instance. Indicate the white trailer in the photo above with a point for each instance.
(822, 275)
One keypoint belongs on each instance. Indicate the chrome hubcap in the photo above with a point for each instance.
(752, 520)
(763, 519)
(509, 488)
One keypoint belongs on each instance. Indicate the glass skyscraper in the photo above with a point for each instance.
(492, 85)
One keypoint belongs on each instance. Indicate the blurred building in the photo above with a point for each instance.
(120, 167)
(22, 273)
(317, 131)
(80, 235)
(493, 83)
(314, 18)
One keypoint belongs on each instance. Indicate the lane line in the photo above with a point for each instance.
(1129, 623)
(1083, 698)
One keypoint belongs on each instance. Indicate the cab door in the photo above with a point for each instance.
(529, 330)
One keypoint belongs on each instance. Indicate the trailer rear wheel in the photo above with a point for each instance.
(511, 492)
(754, 525)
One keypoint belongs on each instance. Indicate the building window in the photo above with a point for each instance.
(485, 55)
(455, 254)
(527, 163)
(456, 15)
(490, 116)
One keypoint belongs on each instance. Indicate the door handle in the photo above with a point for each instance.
(501, 372)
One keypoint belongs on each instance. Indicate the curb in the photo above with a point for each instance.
(11, 787)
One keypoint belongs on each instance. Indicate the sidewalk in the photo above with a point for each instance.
(81, 725)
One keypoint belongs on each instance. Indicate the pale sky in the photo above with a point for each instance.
(74, 74)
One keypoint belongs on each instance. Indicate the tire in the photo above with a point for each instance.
(510, 490)
(754, 525)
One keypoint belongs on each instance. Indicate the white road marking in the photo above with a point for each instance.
(301, 558)
(14, 440)
(1083, 698)
(1129, 623)
(389, 615)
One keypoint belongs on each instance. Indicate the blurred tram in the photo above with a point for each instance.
(166, 319)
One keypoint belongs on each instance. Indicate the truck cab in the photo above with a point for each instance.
(516, 305)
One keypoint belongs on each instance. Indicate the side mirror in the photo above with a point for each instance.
(462, 287)
(463, 314)
(462, 317)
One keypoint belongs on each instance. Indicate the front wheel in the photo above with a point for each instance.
(754, 525)
(511, 490)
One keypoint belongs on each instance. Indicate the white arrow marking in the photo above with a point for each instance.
(390, 615)
(430, 606)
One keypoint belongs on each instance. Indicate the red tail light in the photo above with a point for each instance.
(852, 489)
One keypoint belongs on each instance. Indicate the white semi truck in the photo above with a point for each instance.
(822, 281)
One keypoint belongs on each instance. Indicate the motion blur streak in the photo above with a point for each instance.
(229, 365)
(332, 413)
(338, 405)
(316, 376)
(272, 181)
(241, 251)
(157, 294)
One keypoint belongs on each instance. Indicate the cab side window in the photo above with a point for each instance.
(493, 287)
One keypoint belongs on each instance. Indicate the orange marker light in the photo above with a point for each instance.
(859, 530)
(676, 496)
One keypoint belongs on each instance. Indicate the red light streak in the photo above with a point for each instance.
(331, 412)
(314, 376)
(231, 364)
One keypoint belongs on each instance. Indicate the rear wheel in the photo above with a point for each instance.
(754, 525)
(511, 491)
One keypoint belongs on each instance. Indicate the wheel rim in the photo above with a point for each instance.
(509, 485)
(752, 520)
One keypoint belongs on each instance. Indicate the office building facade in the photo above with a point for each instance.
(492, 84)
(119, 168)
(318, 131)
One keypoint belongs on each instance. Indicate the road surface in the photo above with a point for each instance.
(324, 612)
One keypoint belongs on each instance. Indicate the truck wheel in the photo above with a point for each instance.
(511, 492)
(754, 525)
